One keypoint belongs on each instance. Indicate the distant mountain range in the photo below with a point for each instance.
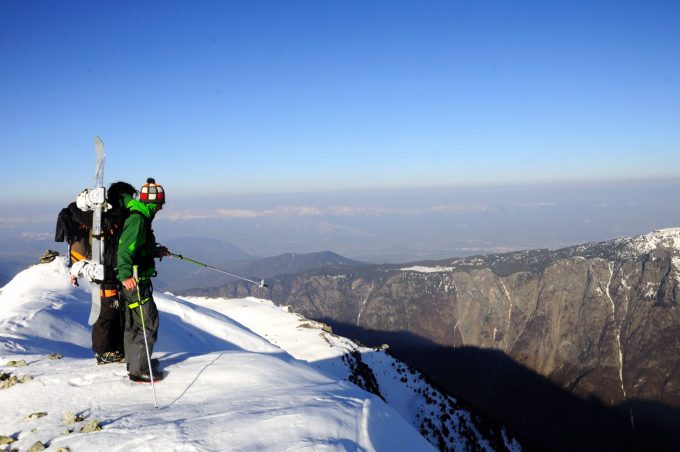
(574, 348)
(179, 276)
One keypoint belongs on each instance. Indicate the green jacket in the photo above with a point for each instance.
(137, 244)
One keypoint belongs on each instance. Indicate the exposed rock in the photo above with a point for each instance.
(49, 256)
(317, 325)
(37, 447)
(91, 426)
(72, 418)
(33, 416)
(361, 374)
(6, 440)
(7, 380)
(20, 363)
(55, 356)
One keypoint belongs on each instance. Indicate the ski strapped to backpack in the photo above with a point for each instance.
(98, 199)
(93, 200)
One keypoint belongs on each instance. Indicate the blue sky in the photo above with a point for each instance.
(271, 96)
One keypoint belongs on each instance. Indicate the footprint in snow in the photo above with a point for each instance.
(99, 377)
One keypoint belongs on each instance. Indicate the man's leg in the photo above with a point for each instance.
(135, 347)
(106, 342)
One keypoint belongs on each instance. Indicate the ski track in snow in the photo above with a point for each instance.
(364, 437)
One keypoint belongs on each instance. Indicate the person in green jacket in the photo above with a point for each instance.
(137, 247)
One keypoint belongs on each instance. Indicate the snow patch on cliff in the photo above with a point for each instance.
(676, 266)
(423, 269)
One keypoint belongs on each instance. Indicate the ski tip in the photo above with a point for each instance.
(99, 145)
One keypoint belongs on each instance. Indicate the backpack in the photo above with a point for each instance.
(73, 227)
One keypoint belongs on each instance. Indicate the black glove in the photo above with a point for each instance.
(161, 251)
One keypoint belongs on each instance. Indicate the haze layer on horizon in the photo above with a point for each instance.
(401, 225)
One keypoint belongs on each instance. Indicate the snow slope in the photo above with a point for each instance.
(228, 386)
(440, 418)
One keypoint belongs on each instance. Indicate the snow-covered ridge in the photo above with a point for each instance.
(665, 238)
(403, 388)
(530, 260)
(227, 388)
(243, 374)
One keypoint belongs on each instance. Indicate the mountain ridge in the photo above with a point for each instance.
(599, 320)
(229, 384)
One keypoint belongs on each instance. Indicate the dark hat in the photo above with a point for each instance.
(116, 191)
(152, 192)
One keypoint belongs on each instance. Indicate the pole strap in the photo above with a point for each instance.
(136, 304)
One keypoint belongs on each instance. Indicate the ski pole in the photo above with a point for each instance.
(179, 256)
(146, 343)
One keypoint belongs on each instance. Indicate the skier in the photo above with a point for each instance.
(74, 225)
(107, 331)
(137, 248)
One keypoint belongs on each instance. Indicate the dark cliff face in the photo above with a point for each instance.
(599, 320)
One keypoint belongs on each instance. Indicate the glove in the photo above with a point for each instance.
(83, 201)
(87, 198)
(161, 251)
(88, 269)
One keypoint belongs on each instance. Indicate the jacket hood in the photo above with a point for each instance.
(134, 205)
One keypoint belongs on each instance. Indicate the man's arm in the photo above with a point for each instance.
(127, 249)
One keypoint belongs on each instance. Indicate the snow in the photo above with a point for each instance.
(316, 345)
(363, 303)
(423, 269)
(675, 261)
(268, 386)
(668, 238)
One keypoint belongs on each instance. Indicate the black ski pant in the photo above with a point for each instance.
(107, 331)
(138, 304)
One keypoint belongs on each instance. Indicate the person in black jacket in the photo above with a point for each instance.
(107, 331)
